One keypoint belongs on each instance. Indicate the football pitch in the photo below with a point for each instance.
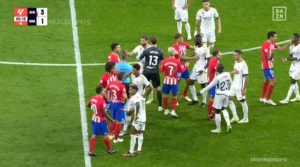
(45, 86)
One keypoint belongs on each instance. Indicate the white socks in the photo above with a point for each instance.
(179, 27)
(232, 108)
(245, 109)
(132, 143)
(140, 142)
(226, 117)
(127, 122)
(193, 92)
(188, 29)
(296, 90)
(204, 97)
(218, 121)
(290, 92)
(151, 96)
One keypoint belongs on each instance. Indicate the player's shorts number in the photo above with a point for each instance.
(153, 60)
(223, 86)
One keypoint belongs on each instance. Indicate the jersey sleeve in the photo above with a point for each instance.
(216, 14)
(180, 67)
(198, 15)
(145, 81)
(142, 55)
(265, 48)
(162, 67)
(107, 87)
(188, 46)
(206, 51)
(275, 45)
(245, 69)
(135, 50)
(89, 102)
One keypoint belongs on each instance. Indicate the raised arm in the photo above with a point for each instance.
(213, 83)
(280, 49)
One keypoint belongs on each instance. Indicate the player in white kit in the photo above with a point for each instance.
(182, 16)
(238, 87)
(141, 82)
(139, 121)
(206, 17)
(294, 71)
(222, 82)
(138, 50)
(199, 72)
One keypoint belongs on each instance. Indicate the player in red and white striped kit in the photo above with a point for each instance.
(171, 66)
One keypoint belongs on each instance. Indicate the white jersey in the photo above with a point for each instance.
(238, 80)
(295, 52)
(222, 82)
(141, 114)
(207, 19)
(203, 54)
(138, 50)
(179, 4)
(141, 82)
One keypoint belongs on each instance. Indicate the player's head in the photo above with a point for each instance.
(110, 67)
(171, 51)
(295, 38)
(179, 38)
(121, 76)
(133, 89)
(198, 40)
(220, 68)
(217, 54)
(136, 69)
(123, 56)
(153, 40)
(115, 47)
(272, 36)
(144, 40)
(237, 54)
(206, 4)
(99, 89)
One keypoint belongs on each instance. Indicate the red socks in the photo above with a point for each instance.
(117, 130)
(264, 89)
(111, 128)
(186, 88)
(210, 107)
(166, 101)
(174, 103)
(92, 144)
(270, 90)
(107, 143)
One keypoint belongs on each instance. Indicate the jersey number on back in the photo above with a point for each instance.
(171, 70)
(114, 95)
(153, 60)
(223, 85)
(94, 108)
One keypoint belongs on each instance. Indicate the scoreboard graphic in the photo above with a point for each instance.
(30, 16)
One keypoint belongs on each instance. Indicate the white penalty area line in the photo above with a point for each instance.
(84, 126)
(102, 64)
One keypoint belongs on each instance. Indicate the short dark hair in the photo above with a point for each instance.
(220, 68)
(177, 35)
(113, 46)
(215, 52)
(123, 56)
(205, 1)
(120, 76)
(153, 40)
(136, 66)
(198, 36)
(238, 51)
(134, 87)
(144, 37)
(99, 89)
(296, 35)
(271, 34)
(109, 66)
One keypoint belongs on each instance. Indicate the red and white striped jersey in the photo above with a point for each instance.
(266, 49)
(97, 104)
(171, 66)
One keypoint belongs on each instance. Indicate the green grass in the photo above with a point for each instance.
(40, 116)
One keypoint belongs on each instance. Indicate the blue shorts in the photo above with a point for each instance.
(212, 92)
(117, 111)
(269, 73)
(108, 107)
(167, 88)
(99, 128)
(185, 74)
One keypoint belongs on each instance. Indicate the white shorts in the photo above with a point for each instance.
(208, 37)
(200, 78)
(139, 126)
(236, 92)
(220, 101)
(294, 72)
(181, 15)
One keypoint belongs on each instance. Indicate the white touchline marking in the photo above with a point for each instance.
(84, 125)
(102, 64)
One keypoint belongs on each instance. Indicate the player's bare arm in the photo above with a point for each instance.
(185, 58)
(219, 25)
(197, 27)
(246, 77)
(150, 87)
(234, 72)
(128, 75)
(108, 117)
(284, 47)
(137, 105)
(271, 55)
(290, 58)
(187, 5)
(125, 97)
(173, 4)
(129, 53)
(105, 94)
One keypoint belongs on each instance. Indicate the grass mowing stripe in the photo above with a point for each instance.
(84, 128)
